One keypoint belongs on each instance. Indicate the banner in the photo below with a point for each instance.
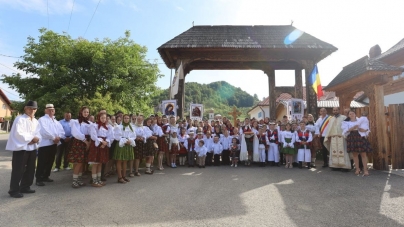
(169, 107)
(296, 109)
(196, 111)
(179, 74)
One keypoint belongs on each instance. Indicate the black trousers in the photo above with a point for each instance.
(46, 157)
(226, 157)
(324, 151)
(23, 171)
(209, 157)
(62, 151)
(216, 161)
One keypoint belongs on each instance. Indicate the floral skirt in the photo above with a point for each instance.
(356, 143)
(78, 152)
(124, 153)
(162, 142)
(98, 154)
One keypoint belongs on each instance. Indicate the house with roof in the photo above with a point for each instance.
(5, 110)
(327, 101)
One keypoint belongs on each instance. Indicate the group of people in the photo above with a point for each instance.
(113, 144)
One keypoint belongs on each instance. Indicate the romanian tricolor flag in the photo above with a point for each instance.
(315, 82)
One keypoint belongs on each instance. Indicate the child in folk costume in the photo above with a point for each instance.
(273, 139)
(316, 143)
(249, 143)
(102, 137)
(217, 149)
(282, 158)
(262, 143)
(234, 151)
(225, 140)
(174, 148)
(151, 145)
(189, 144)
(144, 148)
(171, 127)
(303, 142)
(78, 152)
(162, 142)
(201, 151)
(208, 144)
(183, 149)
(288, 140)
(126, 136)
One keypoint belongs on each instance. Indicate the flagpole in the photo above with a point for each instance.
(171, 79)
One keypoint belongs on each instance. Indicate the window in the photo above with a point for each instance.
(4, 106)
(260, 115)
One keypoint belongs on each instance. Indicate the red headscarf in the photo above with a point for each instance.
(99, 123)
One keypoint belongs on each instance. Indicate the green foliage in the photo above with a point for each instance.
(221, 96)
(110, 74)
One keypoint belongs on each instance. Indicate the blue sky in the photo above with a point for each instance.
(352, 26)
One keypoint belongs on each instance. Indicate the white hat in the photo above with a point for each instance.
(49, 106)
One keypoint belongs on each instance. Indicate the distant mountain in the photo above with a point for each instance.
(219, 95)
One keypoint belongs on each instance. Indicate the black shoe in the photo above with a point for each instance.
(39, 183)
(47, 180)
(300, 165)
(17, 195)
(27, 191)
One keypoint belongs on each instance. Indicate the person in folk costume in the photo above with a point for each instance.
(125, 136)
(189, 144)
(295, 128)
(225, 140)
(166, 136)
(78, 153)
(201, 152)
(273, 149)
(111, 162)
(303, 143)
(217, 149)
(206, 127)
(336, 144)
(236, 133)
(23, 141)
(355, 132)
(190, 126)
(208, 144)
(174, 147)
(172, 126)
(234, 151)
(288, 141)
(150, 146)
(217, 130)
(262, 143)
(249, 143)
(102, 137)
(52, 132)
(322, 127)
(141, 142)
(161, 142)
(315, 144)
(183, 149)
(282, 158)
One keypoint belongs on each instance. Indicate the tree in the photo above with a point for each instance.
(67, 72)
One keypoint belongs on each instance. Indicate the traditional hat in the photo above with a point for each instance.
(32, 104)
(200, 133)
(191, 132)
(49, 106)
(272, 123)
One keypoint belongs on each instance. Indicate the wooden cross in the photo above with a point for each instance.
(235, 113)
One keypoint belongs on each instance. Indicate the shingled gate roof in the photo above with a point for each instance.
(243, 37)
(359, 67)
(399, 46)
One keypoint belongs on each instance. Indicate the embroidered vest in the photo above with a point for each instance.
(191, 144)
(274, 134)
(306, 134)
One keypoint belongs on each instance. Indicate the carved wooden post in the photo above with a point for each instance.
(180, 96)
(298, 83)
(344, 101)
(378, 129)
(271, 85)
(311, 96)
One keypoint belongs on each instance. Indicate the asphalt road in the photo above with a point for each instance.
(215, 196)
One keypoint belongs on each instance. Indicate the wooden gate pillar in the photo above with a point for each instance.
(311, 96)
(298, 83)
(180, 96)
(378, 129)
(271, 96)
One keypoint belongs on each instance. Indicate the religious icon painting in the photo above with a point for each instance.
(169, 107)
(297, 109)
(196, 111)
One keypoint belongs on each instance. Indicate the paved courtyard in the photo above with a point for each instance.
(214, 196)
